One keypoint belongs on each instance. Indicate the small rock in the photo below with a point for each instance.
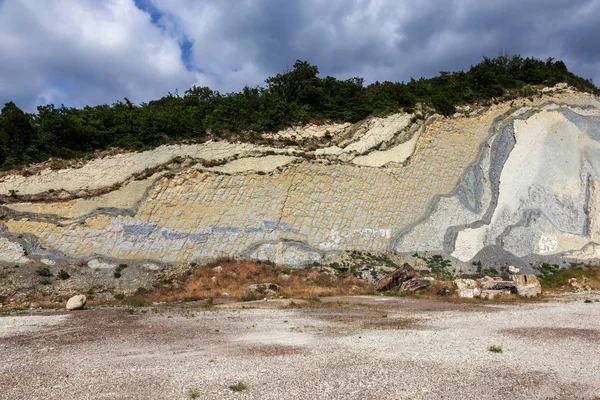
(47, 261)
(225, 294)
(213, 279)
(76, 302)
(218, 269)
(285, 277)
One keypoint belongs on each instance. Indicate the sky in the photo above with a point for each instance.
(88, 52)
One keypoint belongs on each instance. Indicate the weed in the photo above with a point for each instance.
(193, 394)
(117, 274)
(588, 301)
(119, 296)
(208, 302)
(238, 387)
(495, 349)
(45, 281)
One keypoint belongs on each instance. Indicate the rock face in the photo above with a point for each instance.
(512, 184)
(76, 302)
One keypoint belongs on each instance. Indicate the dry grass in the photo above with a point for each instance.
(235, 277)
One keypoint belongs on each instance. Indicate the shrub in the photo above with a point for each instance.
(44, 272)
(119, 296)
(249, 297)
(63, 275)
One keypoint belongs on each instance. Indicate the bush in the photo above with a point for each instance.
(63, 275)
(119, 296)
(44, 272)
(495, 349)
(249, 297)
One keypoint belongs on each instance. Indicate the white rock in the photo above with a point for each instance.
(76, 302)
(97, 264)
(218, 269)
(513, 270)
(47, 261)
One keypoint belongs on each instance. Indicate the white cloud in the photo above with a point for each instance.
(83, 52)
(99, 51)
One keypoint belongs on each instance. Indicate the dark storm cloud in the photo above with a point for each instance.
(81, 52)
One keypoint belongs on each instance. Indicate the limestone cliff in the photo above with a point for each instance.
(513, 183)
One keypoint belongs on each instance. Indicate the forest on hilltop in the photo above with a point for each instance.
(296, 96)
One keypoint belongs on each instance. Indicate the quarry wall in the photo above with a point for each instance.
(514, 183)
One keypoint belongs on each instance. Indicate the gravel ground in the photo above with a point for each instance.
(346, 348)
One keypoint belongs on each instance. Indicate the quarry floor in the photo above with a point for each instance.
(361, 347)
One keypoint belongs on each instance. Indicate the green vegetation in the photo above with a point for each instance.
(44, 272)
(63, 275)
(119, 296)
(238, 387)
(554, 277)
(117, 274)
(248, 297)
(495, 349)
(437, 266)
(193, 394)
(295, 96)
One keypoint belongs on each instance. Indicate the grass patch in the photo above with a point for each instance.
(553, 277)
(193, 394)
(238, 387)
(495, 349)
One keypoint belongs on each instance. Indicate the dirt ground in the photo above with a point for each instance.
(350, 347)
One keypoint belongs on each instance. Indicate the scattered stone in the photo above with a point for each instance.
(213, 279)
(47, 261)
(396, 278)
(218, 269)
(225, 294)
(285, 277)
(76, 302)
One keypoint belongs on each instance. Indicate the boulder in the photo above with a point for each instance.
(412, 285)
(490, 294)
(394, 280)
(76, 302)
(498, 285)
(527, 285)
(264, 289)
(467, 288)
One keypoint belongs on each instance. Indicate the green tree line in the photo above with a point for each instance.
(295, 96)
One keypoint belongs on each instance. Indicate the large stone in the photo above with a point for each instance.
(395, 279)
(527, 285)
(412, 285)
(76, 302)
(498, 285)
(467, 288)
